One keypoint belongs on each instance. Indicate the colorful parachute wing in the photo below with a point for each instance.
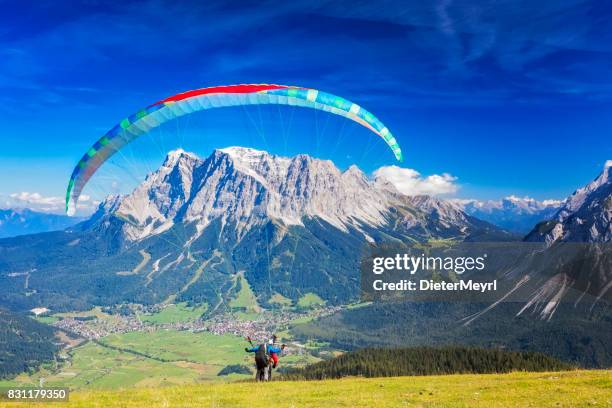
(215, 97)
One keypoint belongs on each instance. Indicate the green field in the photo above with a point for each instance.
(556, 389)
(154, 357)
(47, 319)
(175, 313)
(95, 312)
(176, 345)
(280, 300)
(163, 357)
(310, 300)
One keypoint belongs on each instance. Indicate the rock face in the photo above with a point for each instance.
(586, 215)
(576, 264)
(247, 188)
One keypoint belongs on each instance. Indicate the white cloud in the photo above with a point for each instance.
(552, 203)
(47, 204)
(411, 182)
(36, 199)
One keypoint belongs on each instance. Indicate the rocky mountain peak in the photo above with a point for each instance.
(246, 188)
(174, 156)
(585, 216)
(578, 198)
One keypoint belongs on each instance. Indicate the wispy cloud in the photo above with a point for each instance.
(492, 48)
(434, 52)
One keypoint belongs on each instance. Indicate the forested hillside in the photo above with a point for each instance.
(396, 362)
(24, 344)
(577, 334)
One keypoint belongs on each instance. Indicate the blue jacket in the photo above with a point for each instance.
(270, 348)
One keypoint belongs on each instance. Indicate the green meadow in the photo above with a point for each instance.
(578, 388)
(162, 357)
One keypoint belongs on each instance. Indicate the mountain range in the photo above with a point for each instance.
(578, 258)
(571, 261)
(247, 188)
(290, 225)
(24, 221)
(293, 225)
(512, 213)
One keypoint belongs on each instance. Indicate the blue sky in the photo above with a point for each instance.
(507, 97)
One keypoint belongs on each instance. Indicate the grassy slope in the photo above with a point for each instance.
(245, 300)
(566, 389)
(280, 300)
(309, 300)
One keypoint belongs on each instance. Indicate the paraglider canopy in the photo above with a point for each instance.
(214, 97)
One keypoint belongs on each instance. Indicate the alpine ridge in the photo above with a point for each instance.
(247, 187)
(586, 215)
(289, 225)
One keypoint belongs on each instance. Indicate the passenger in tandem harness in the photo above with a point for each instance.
(266, 357)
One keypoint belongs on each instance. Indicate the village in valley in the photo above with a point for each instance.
(99, 323)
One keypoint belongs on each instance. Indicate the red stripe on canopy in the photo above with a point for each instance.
(243, 88)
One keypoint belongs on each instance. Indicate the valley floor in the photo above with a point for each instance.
(554, 389)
